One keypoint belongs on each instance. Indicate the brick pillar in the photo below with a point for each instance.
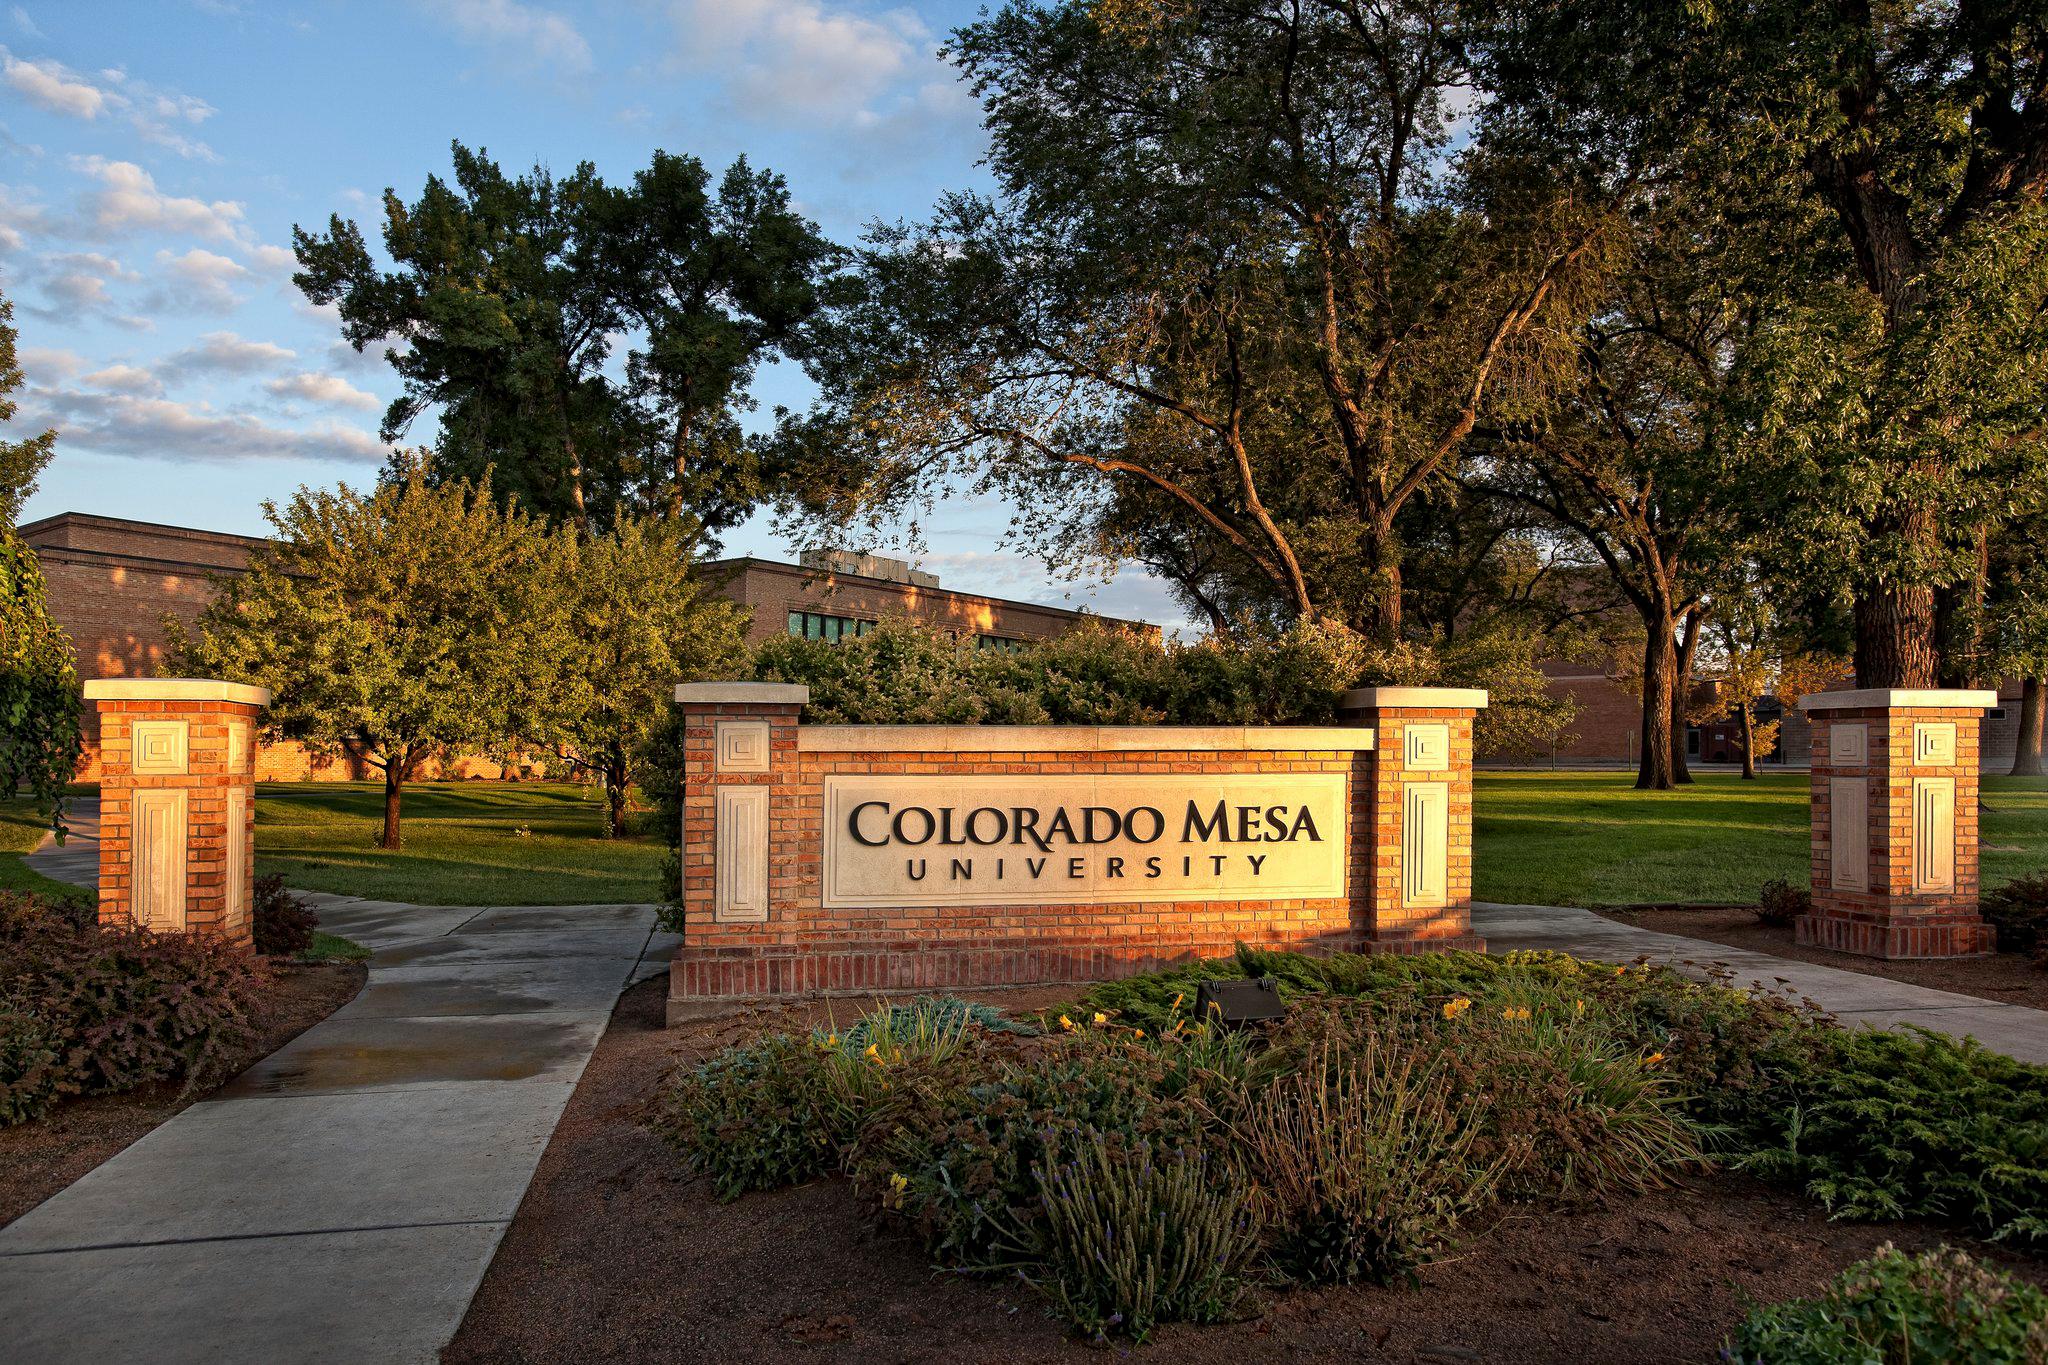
(177, 803)
(1895, 823)
(739, 761)
(1420, 812)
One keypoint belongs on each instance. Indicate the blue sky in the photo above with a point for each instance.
(155, 155)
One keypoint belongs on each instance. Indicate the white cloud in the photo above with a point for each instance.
(128, 200)
(187, 433)
(331, 389)
(273, 260)
(227, 353)
(25, 23)
(531, 37)
(130, 379)
(159, 116)
(789, 59)
(18, 217)
(48, 364)
(52, 86)
(199, 279)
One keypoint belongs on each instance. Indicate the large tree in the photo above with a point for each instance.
(1897, 152)
(402, 623)
(1233, 261)
(39, 699)
(508, 298)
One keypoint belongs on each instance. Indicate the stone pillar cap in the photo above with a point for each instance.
(174, 689)
(743, 693)
(1900, 698)
(1425, 698)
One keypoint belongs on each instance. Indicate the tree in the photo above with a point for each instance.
(39, 698)
(1758, 653)
(2017, 629)
(1232, 261)
(399, 623)
(636, 625)
(1897, 153)
(511, 294)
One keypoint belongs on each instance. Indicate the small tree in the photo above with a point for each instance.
(397, 624)
(39, 701)
(635, 625)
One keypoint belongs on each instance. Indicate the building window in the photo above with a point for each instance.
(816, 625)
(1692, 740)
(1995, 713)
(1003, 642)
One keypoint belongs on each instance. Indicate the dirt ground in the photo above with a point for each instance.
(2007, 978)
(617, 1254)
(38, 1159)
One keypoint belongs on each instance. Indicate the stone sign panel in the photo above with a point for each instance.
(1083, 839)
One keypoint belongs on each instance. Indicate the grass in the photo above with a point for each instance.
(334, 948)
(21, 829)
(463, 844)
(1590, 838)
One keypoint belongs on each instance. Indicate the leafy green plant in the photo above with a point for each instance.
(2019, 911)
(1892, 1307)
(1147, 1237)
(283, 923)
(751, 1118)
(1779, 903)
(1363, 1163)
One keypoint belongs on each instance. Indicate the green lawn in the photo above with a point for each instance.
(462, 844)
(1592, 839)
(21, 829)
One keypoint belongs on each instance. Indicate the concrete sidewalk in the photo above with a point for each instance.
(341, 1200)
(1854, 997)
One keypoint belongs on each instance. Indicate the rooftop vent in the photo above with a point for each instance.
(866, 566)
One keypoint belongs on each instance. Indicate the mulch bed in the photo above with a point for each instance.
(2008, 978)
(617, 1254)
(40, 1158)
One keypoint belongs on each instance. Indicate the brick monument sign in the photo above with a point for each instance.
(857, 858)
(177, 803)
(1895, 823)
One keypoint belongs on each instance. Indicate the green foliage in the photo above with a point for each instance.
(87, 1009)
(39, 695)
(327, 947)
(283, 923)
(749, 1119)
(23, 460)
(1910, 1125)
(1779, 903)
(1364, 1164)
(1892, 1307)
(402, 622)
(1151, 1236)
(2019, 911)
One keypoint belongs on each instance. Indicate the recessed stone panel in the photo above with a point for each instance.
(1849, 833)
(1934, 744)
(1425, 844)
(158, 748)
(237, 910)
(1426, 748)
(740, 746)
(157, 842)
(1848, 744)
(238, 747)
(1934, 833)
(741, 893)
(1083, 839)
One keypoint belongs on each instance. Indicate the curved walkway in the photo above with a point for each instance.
(341, 1200)
(1853, 997)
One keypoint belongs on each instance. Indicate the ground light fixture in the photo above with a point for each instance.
(1234, 1004)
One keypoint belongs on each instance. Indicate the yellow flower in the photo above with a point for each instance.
(1619, 970)
(1178, 998)
(1457, 1007)
(1578, 1007)
(1139, 1032)
(1066, 1023)
(1101, 1018)
(874, 1054)
(899, 1182)
(1653, 1059)
(833, 1041)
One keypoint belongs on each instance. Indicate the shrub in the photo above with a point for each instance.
(1778, 903)
(751, 1117)
(1363, 1164)
(22, 911)
(98, 1009)
(1154, 1236)
(284, 924)
(1912, 1125)
(1941, 1306)
(2019, 911)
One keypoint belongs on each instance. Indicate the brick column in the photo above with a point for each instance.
(177, 803)
(1895, 823)
(1420, 813)
(739, 761)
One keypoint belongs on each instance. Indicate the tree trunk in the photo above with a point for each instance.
(394, 782)
(1681, 694)
(615, 777)
(1748, 742)
(1660, 675)
(2027, 757)
(1895, 637)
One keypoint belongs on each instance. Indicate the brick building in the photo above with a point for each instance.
(112, 582)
